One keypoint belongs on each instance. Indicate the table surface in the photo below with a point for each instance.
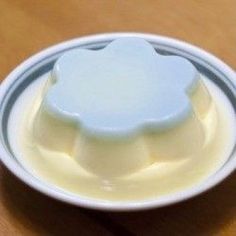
(29, 26)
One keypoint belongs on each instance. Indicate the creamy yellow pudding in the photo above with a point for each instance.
(170, 148)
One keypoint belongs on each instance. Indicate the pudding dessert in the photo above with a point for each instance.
(122, 123)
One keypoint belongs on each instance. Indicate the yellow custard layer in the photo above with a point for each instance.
(161, 178)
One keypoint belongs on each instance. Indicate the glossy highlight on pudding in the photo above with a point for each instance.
(119, 110)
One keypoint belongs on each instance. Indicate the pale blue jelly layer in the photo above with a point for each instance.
(121, 90)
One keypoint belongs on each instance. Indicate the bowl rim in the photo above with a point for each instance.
(23, 175)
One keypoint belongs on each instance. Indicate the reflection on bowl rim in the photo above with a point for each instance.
(214, 68)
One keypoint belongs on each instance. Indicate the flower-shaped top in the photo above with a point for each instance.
(123, 89)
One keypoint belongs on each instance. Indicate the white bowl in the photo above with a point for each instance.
(42, 62)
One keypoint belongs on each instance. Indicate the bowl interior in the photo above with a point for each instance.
(44, 62)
